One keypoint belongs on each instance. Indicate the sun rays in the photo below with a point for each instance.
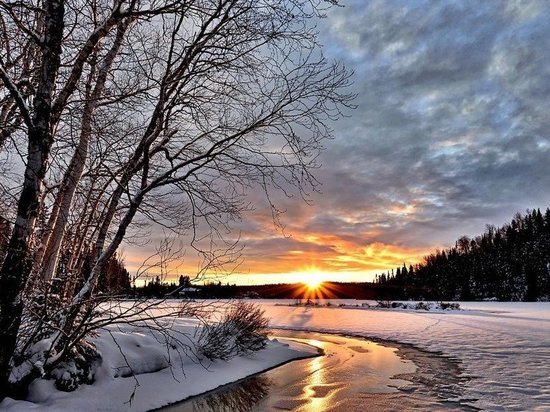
(312, 280)
(314, 285)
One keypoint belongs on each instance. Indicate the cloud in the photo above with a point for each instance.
(451, 132)
(453, 112)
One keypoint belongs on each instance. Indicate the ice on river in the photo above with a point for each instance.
(503, 347)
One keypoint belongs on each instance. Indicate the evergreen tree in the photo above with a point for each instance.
(508, 263)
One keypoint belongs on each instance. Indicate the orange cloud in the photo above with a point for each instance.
(343, 249)
(329, 256)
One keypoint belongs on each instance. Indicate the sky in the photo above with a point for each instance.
(450, 133)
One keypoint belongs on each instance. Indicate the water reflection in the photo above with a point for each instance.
(315, 396)
(239, 398)
(352, 374)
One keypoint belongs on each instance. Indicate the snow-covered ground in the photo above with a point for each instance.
(156, 384)
(503, 347)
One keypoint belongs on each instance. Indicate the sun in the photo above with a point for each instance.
(312, 280)
(314, 285)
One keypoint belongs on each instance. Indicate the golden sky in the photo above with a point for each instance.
(450, 133)
(295, 254)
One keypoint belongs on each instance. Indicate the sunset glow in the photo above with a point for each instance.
(399, 181)
(313, 281)
(307, 259)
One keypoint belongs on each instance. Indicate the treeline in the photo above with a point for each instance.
(510, 263)
(156, 288)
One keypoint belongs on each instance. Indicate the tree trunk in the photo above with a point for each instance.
(74, 172)
(17, 264)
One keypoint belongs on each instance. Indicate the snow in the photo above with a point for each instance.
(148, 355)
(384, 305)
(503, 347)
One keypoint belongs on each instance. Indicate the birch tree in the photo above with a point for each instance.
(208, 98)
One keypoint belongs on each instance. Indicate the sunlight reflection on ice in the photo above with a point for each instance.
(317, 379)
(352, 373)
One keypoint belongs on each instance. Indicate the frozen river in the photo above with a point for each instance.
(353, 374)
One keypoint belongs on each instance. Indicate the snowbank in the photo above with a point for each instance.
(164, 373)
(380, 304)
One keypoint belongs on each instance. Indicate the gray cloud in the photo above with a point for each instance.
(451, 130)
(452, 117)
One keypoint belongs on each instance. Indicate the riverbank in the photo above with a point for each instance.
(502, 350)
(163, 374)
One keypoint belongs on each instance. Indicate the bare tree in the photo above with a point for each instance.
(15, 267)
(207, 97)
(61, 208)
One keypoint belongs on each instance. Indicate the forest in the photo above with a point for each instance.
(509, 263)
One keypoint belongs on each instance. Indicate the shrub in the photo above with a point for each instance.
(449, 305)
(423, 306)
(242, 330)
(385, 304)
(80, 369)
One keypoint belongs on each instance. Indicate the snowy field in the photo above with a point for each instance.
(504, 348)
(156, 383)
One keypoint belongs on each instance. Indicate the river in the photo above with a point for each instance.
(352, 374)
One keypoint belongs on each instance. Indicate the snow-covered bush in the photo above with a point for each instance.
(385, 304)
(449, 306)
(78, 366)
(78, 369)
(44, 352)
(423, 306)
(242, 330)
